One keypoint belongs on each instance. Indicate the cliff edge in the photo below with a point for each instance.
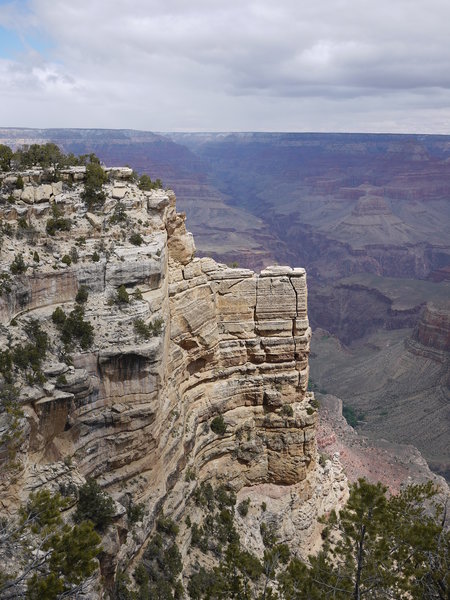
(125, 359)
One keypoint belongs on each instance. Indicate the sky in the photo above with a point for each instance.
(226, 65)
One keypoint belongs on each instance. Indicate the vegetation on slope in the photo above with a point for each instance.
(44, 556)
(376, 547)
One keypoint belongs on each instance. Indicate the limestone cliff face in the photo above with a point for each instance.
(135, 411)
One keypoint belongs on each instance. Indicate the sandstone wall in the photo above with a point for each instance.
(136, 413)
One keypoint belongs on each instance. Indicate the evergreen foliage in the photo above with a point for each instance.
(378, 547)
(55, 557)
(73, 327)
(218, 425)
(82, 295)
(146, 184)
(29, 356)
(93, 193)
(136, 239)
(148, 330)
(18, 265)
(46, 156)
(94, 505)
(57, 222)
(6, 155)
(122, 296)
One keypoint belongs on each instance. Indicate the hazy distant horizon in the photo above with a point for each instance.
(220, 132)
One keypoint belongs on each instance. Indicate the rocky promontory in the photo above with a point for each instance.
(126, 359)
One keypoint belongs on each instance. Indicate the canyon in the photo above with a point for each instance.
(366, 215)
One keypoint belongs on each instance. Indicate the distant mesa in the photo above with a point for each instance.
(371, 205)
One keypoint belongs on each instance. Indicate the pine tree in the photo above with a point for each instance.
(377, 547)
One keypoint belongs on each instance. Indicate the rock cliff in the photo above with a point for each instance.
(179, 343)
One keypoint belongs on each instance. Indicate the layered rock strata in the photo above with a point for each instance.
(135, 410)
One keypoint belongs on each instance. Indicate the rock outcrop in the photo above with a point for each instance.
(433, 328)
(178, 342)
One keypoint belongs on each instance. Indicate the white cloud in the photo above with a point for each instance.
(342, 65)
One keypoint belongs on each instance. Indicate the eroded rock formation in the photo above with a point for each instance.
(191, 340)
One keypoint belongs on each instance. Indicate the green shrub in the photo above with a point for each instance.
(52, 558)
(6, 364)
(351, 416)
(136, 239)
(61, 380)
(158, 574)
(95, 256)
(167, 525)
(66, 260)
(218, 425)
(31, 354)
(36, 257)
(57, 224)
(137, 294)
(82, 295)
(94, 505)
(122, 296)
(323, 459)
(268, 534)
(243, 507)
(6, 155)
(157, 326)
(18, 265)
(73, 326)
(145, 183)
(19, 183)
(58, 316)
(135, 513)
(287, 410)
(119, 215)
(142, 329)
(314, 402)
(190, 474)
(149, 330)
(224, 496)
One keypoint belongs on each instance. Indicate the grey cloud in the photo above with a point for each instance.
(236, 65)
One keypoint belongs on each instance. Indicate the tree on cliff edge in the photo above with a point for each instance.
(378, 547)
(93, 193)
(6, 155)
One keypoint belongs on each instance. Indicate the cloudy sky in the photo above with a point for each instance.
(220, 65)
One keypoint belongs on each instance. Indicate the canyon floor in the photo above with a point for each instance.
(394, 392)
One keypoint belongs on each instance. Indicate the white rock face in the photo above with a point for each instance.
(119, 192)
(28, 194)
(43, 193)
